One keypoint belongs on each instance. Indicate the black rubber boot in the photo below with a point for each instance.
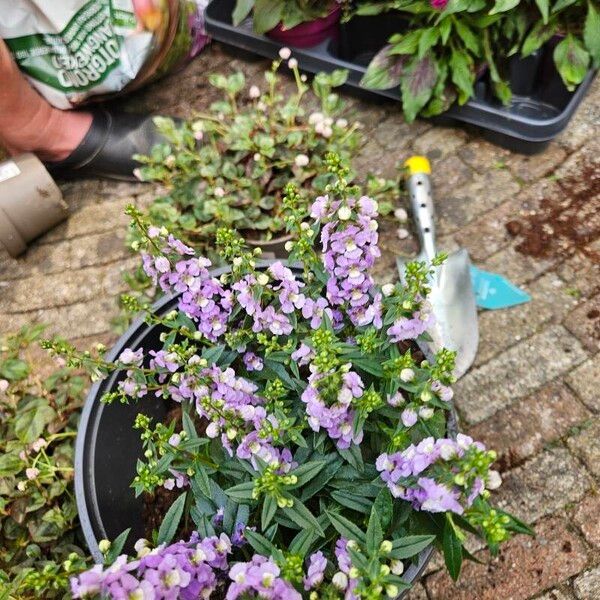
(108, 147)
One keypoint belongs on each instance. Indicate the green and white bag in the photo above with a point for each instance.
(73, 49)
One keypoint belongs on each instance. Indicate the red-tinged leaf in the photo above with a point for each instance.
(417, 86)
(385, 71)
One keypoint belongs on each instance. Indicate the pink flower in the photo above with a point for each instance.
(438, 4)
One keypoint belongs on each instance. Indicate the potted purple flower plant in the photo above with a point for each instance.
(314, 455)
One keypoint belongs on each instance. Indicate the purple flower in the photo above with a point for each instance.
(314, 310)
(129, 357)
(410, 329)
(408, 417)
(316, 570)
(252, 362)
(303, 355)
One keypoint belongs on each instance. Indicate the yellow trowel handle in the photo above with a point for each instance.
(421, 202)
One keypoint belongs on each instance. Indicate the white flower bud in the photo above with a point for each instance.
(254, 92)
(212, 430)
(32, 472)
(402, 233)
(401, 214)
(340, 580)
(21, 486)
(341, 123)
(407, 375)
(289, 246)
(293, 63)
(262, 279)
(425, 413)
(344, 213)
(494, 480)
(327, 132)
(256, 156)
(388, 289)
(104, 546)
(397, 567)
(315, 118)
(301, 160)
(219, 192)
(284, 53)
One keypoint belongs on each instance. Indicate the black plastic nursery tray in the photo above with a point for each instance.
(540, 109)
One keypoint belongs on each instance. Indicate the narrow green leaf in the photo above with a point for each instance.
(374, 532)
(267, 13)
(352, 501)
(260, 543)
(302, 516)
(572, 61)
(188, 425)
(544, 6)
(503, 6)
(242, 491)
(116, 548)
(452, 548)
(301, 543)
(591, 33)
(306, 472)
(269, 508)
(241, 11)
(385, 507)
(168, 528)
(410, 545)
(346, 528)
(202, 480)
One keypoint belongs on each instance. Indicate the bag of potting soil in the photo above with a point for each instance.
(72, 50)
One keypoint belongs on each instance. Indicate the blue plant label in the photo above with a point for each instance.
(493, 291)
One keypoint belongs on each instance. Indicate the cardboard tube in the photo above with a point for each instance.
(30, 202)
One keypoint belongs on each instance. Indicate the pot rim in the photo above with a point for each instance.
(85, 445)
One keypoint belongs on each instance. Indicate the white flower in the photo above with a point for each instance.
(219, 192)
(341, 123)
(402, 233)
(254, 92)
(141, 545)
(21, 486)
(401, 214)
(3, 385)
(344, 213)
(32, 473)
(292, 63)
(198, 135)
(327, 132)
(153, 231)
(407, 375)
(494, 480)
(284, 53)
(175, 440)
(303, 77)
(301, 160)
(256, 156)
(262, 279)
(388, 289)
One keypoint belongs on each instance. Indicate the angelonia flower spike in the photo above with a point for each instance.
(315, 456)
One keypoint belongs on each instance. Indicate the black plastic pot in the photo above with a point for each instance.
(540, 109)
(108, 448)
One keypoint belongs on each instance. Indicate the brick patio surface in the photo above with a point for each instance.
(533, 393)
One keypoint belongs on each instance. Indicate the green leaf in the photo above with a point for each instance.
(385, 507)
(374, 532)
(301, 543)
(30, 423)
(267, 14)
(353, 456)
(452, 548)
(352, 501)
(572, 61)
(591, 33)
(261, 544)
(544, 7)
(188, 425)
(462, 75)
(469, 39)
(168, 528)
(417, 86)
(10, 464)
(268, 511)
(116, 547)
(384, 71)
(202, 480)
(14, 369)
(241, 11)
(306, 472)
(428, 39)
(503, 6)
(302, 516)
(537, 37)
(410, 545)
(242, 491)
(346, 528)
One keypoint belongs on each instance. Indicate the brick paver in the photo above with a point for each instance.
(533, 392)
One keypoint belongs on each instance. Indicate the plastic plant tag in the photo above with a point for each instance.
(493, 291)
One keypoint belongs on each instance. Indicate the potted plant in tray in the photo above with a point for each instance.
(311, 451)
(228, 167)
(298, 23)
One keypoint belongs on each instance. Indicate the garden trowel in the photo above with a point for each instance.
(451, 297)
